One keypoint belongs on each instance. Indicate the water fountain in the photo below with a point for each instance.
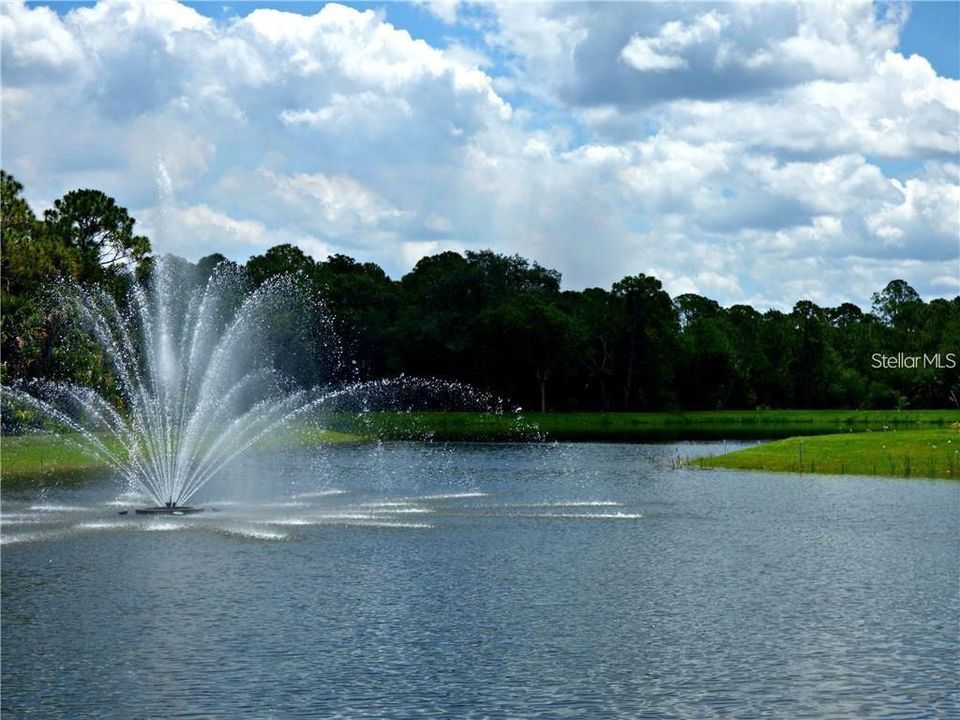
(204, 369)
(200, 375)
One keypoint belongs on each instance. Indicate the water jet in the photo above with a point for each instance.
(202, 369)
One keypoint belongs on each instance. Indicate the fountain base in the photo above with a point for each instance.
(169, 510)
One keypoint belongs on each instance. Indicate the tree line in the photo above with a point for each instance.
(504, 324)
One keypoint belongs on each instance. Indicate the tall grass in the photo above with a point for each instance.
(897, 453)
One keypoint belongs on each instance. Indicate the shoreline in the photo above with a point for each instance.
(872, 442)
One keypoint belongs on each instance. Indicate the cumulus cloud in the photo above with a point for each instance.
(338, 200)
(737, 150)
(198, 230)
(634, 55)
(925, 223)
(665, 50)
(36, 45)
(269, 69)
(901, 110)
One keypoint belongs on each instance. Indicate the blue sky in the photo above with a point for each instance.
(933, 31)
(756, 153)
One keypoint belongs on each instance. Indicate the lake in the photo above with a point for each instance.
(485, 580)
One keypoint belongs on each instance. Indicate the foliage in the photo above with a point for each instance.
(85, 237)
(652, 334)
(639, 426)
(99, 231)
(501, 323)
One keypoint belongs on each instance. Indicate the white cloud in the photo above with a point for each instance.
(340, 201)
(197, 230)
(366, 109)
(443, 10)
(844, 38)
(36, 40)
(951, 283)
(926, 221)
(736, 150)
(194, 231)
(590, 55)
(641, 55)
(151, 75)
(543, 37)
(661, 51)
(674, 176)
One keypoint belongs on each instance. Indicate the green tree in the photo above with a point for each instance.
(602, 337)
(534, 334)
(816, 368)
(935, 336)
(364, 304)
(207, 264)
(890, 303)
(652, 332)
(27, 260)
(29, 254)
(37, 339)
(709, 376)
(439, 329)
(100, 231)
(281, 260)
(778, 338)
(436, 326)
(753, 363)
(19, 222)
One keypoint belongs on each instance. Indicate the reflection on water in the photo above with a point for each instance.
(398, 580)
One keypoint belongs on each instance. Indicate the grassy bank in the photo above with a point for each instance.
(31, 456)
(24, 456)
(899, 453)
(638, 427)
(27, 457)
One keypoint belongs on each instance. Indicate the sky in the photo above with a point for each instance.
(755, 153)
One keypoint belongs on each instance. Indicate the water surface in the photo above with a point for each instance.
(412, 580)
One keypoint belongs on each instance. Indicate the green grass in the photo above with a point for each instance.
(24, 458)
(636, 427)
(900, 453)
